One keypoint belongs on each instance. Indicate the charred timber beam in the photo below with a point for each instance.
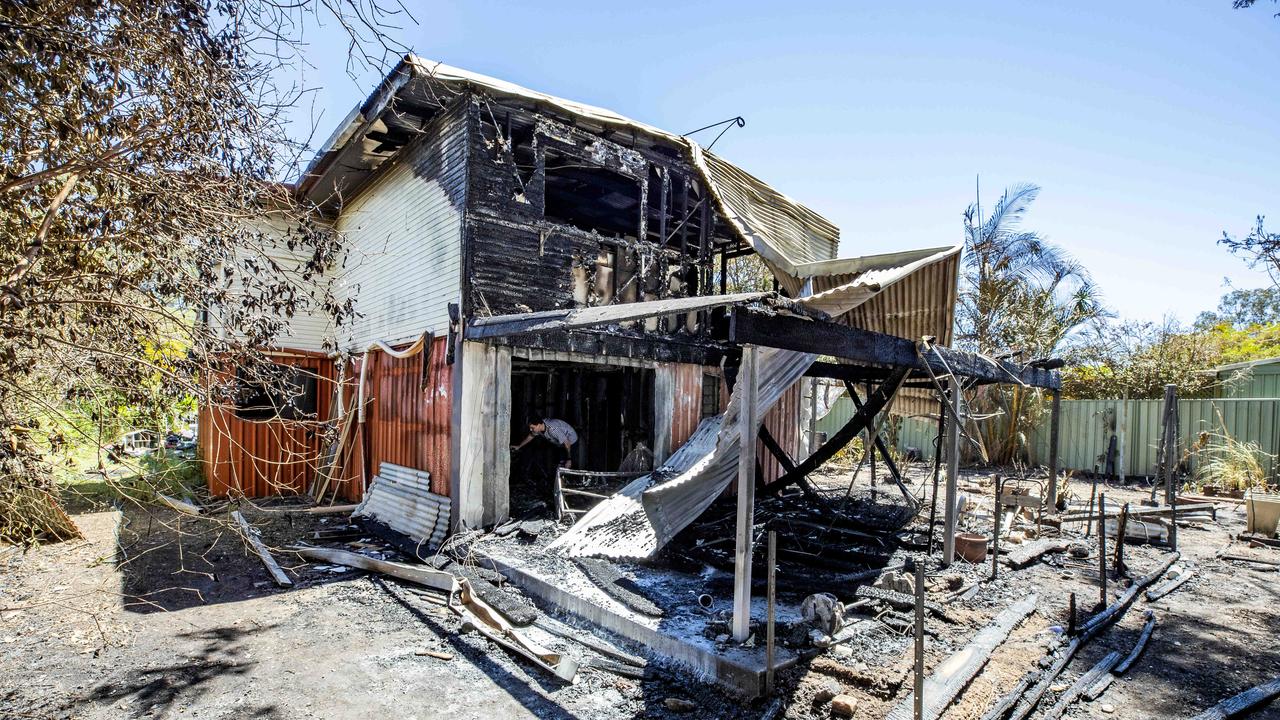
(884, 451)
(860, 421)
(771, 444)
(864, 346)
(572, 318)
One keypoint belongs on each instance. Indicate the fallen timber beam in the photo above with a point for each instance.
(1137, 512)
(1156, 593)
(1138, 647)
(251, 536)
(1245, 701)
(1095, 691)
(1083, 683)
(1119, 606)
(181, 506)
(861, 420)
(1029, 553)
(900, 600)
(1006, 701)
(427, 577)
(953, 675)
(771, 444)
(791, 332)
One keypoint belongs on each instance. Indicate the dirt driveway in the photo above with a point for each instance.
(160, 616)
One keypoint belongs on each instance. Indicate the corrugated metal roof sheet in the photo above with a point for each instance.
(784, 232)
(647, 513)
(401, 498)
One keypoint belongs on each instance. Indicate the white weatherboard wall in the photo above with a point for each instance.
(310, 327)
(404, 240)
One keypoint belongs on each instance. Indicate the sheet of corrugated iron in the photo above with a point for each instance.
(258, 458)
(686, 408)
(783, 421)
(399, 498)
(410, 411)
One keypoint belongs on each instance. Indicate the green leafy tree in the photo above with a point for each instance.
(1137, 359)
(1242, 308)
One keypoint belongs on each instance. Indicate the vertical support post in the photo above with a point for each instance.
(995, 533)
(559, 493)
(1170, 459)
(1054, 421)
(1122, 430)
(1093, 494)
(1071, 616)
(870, 443)
(1102, 546)
(937, 468)
(747, 429)
(918, 685)
(813, 416)
(769, 631)
(1121, 528)
(953, 473)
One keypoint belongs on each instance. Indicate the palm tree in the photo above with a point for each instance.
(1019, 294)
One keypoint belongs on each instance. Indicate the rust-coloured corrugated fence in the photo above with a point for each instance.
(257, 458)
(783, 421)
(410, 411)
(686, 407)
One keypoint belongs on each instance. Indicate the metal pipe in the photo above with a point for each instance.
(919, 674)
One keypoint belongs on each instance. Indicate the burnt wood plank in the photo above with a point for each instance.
(829, 338)
(860, 421)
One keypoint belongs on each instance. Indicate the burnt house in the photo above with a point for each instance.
(515, 255)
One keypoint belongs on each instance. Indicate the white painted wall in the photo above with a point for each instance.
(404, 240)
(310, 328)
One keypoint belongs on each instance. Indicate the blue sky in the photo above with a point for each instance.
(1151, 127)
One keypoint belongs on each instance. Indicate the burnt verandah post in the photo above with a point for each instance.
(748, 427)
(1055, 413)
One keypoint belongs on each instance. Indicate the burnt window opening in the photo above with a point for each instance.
(281, 391)
(710, 395)
(589, 197)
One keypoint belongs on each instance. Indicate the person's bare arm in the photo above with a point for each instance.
(567, 454)
(523, 442)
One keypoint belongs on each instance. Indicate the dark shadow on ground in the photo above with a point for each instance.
(157, 689)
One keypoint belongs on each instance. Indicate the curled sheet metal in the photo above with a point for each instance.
(646, 514)
(490, 623)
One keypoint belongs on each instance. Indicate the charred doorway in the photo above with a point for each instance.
(610, 407)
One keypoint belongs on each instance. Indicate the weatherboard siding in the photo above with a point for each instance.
(404, 239)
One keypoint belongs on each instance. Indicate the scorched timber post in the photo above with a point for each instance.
(747, 430)
(953, 472)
